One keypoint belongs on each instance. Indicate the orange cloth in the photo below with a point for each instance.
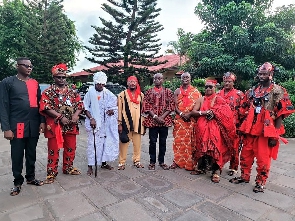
(183, 131)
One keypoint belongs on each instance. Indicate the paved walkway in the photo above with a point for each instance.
(141, 195)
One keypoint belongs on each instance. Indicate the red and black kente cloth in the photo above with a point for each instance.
(159, 101)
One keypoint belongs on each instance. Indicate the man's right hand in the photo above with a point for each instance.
(8, 135)
(120, 128)
(93, 123)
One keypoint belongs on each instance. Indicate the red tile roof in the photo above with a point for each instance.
(172, 61)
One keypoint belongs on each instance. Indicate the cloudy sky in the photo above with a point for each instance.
(176, 14)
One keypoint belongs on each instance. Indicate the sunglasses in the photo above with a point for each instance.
(27, 65)
(209, 86)
(60, 77)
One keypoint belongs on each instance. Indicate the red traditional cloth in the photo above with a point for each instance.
(65, 101)
(32, 86)
(234, 98)
(159, 103)
(134, 99)
(68, 154)
(259, 127)
(185, 95)
(215, 137)
(183, 132)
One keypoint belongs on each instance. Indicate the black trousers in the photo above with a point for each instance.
(20, 148)
(154, 132)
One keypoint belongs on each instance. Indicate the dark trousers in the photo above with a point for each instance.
(154, 132)
(19, 148)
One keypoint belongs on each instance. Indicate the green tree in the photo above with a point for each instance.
(239, 36)
(12, 33)
(130, 37)
(41, 31)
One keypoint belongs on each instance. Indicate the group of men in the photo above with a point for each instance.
(208, 130)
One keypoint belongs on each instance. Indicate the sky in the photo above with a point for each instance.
(176, 14)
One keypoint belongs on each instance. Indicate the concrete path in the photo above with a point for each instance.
(142, 195)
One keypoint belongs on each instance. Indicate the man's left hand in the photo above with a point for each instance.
(272, 142)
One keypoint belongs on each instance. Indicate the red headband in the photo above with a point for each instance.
(132, 78)
(229, 75)
(59, 69)
(211, 81)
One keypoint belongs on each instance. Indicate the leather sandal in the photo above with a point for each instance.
(231, 172)
(107, 167)
(138, 165)
(237, 180)
(152, 166)
(35, 182)
(72, 171)
(197, 172)
(15, 190)
(164, 166)
(258, 188)
(121, 167)
(215, 178)
(173, 166)
(49, 179)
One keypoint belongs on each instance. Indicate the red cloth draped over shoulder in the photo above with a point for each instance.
(215, 137)
(32, 86)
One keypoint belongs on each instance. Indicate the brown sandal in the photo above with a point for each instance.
(173, 166)
(49, 179)
(215, 178)
(138, 165)
(121, 167)
(237, 180)
(164, 166)
(152, 166)
(72, 171)
(197, 172)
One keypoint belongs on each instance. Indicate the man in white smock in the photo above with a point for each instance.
(101, 124)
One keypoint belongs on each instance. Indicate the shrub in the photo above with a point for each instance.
(289, 123)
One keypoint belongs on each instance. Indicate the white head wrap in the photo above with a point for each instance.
(100, 78)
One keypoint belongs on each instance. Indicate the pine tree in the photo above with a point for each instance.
(131, 37)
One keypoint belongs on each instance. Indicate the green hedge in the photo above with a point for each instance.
(289, 123)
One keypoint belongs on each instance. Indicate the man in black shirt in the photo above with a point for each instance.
(21, 121)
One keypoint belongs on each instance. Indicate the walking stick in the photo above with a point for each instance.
(95, 170)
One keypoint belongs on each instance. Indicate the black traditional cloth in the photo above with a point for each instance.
(19, 105)
(19, 112)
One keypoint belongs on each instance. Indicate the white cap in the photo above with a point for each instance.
(100, 78)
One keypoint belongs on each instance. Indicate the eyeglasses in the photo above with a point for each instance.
(60, 77)
(27, 65)
(209, 86)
